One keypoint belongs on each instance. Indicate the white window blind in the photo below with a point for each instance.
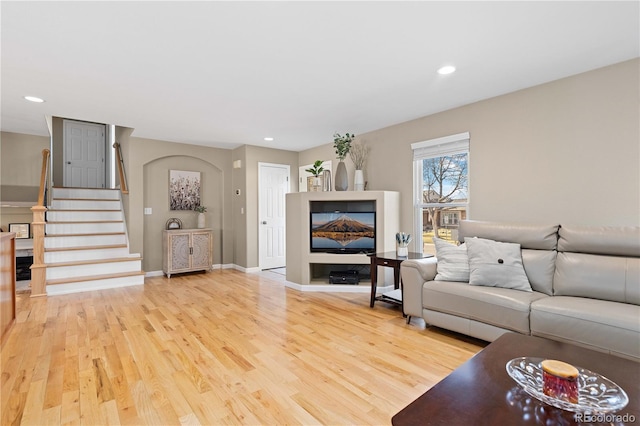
(440, 147)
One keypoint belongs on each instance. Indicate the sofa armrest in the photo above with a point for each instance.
(414, 273)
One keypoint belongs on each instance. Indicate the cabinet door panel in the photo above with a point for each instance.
(180, 252)
(201, 243)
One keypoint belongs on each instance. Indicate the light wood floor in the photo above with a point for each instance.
(218, 348)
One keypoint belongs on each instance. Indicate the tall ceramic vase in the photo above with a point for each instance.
(201, 220)
(342, 180)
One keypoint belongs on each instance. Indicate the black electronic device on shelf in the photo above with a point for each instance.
(344, 277)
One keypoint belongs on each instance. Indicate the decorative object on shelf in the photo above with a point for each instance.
(358, 154)
(326, 180)
(21, 229)
(173, 223)
(403, 241)
(358, 180)
(201, 216)
(342, 180)
(315, 182)
(342, 144)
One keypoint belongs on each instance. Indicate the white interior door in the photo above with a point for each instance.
(84, 153)
(273, 182)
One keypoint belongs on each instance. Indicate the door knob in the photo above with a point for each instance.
(264, 222)
(68, 162)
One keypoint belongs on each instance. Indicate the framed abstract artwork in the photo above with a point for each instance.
(184, 190)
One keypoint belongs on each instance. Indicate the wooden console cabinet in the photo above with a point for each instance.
(186, 250)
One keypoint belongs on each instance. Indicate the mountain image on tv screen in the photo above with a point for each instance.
(348, 230)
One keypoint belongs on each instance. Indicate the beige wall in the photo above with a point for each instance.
(563, 152)
(57, 151)
(239, 206)
(147, 163)
(20, 169)
(21, 159)
(248, 249)
(156, 197)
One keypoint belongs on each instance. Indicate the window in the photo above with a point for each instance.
(441, 188)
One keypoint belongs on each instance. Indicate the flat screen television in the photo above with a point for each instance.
(343, 232)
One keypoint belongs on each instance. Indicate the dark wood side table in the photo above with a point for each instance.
(391, 260)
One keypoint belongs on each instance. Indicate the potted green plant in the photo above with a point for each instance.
(201, 210)
(342, 144)
(314, 183)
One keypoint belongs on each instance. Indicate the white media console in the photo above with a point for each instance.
(307, 268)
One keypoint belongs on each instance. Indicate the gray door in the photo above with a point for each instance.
(84, 154)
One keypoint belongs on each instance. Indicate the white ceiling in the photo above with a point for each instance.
(230, 73)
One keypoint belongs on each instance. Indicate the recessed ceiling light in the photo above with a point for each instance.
(268, 139)
(34, 99)
(447, 69)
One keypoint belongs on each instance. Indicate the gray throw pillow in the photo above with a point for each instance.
(453, 262)
(496, 264)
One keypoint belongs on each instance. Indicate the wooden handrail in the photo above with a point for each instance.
(43, 176)
(123, 180)
(39, 268)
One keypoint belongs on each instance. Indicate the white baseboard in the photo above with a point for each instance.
(327, 288)
(216, 266)
(336, 288)
(246, 270)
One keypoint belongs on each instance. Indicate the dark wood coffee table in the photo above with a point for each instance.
(480, 392)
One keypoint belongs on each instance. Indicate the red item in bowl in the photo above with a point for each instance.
(560, 380)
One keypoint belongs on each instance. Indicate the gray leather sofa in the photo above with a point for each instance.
(585, 282)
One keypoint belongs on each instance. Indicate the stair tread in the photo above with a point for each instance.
(93, 277)
(83, 221)
(93, 261)
(85, 247)
(82, 210)
(85, 199)
(86, 189)
(84, 235)
(81, 203)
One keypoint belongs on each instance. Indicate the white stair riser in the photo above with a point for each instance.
(85, 193)
(74, 271)
(93, 285)
(84, 240)
(72, 215)
(83, 228)
(91, 254)
(67, 206)
(84, 205)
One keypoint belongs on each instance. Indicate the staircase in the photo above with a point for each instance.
(86, 246)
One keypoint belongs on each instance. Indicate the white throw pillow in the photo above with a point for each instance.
(496, 264)
(453, 262)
